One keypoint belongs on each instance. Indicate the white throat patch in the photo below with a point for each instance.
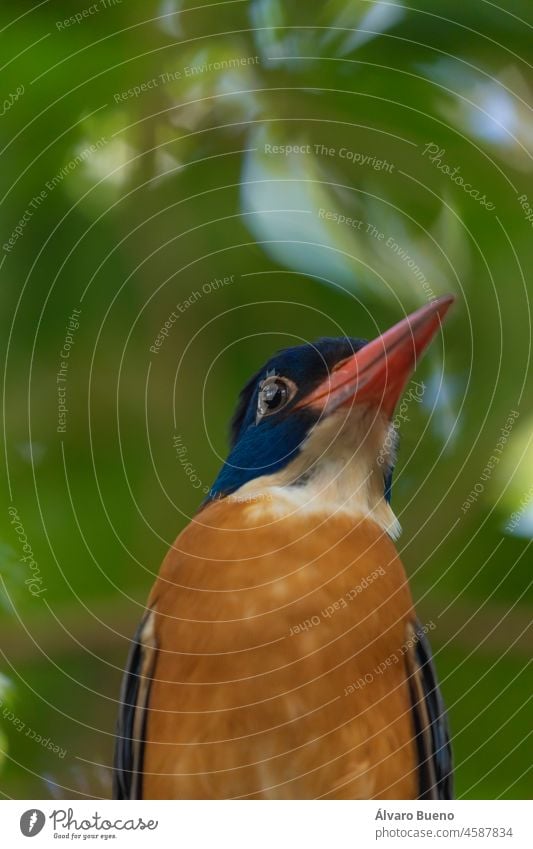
(341, 467)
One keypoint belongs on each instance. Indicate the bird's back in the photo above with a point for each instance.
(278, 661)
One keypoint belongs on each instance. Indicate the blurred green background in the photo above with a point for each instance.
(144, 155)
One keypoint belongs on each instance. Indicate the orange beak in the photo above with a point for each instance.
(378, 373)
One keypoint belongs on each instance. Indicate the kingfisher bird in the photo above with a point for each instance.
(279, 655)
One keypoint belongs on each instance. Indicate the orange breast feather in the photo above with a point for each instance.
(280, 670)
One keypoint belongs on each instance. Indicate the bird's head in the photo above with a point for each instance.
(313, 426)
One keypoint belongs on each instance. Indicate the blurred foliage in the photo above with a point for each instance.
(147, 126)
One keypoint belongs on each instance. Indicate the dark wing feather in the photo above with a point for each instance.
(131, 724)
(430, 720)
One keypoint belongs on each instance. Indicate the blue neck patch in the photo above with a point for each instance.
(255, 455)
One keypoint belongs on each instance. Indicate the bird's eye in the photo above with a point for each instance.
(274, 394)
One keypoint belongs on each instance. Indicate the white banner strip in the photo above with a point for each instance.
(268, 825)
